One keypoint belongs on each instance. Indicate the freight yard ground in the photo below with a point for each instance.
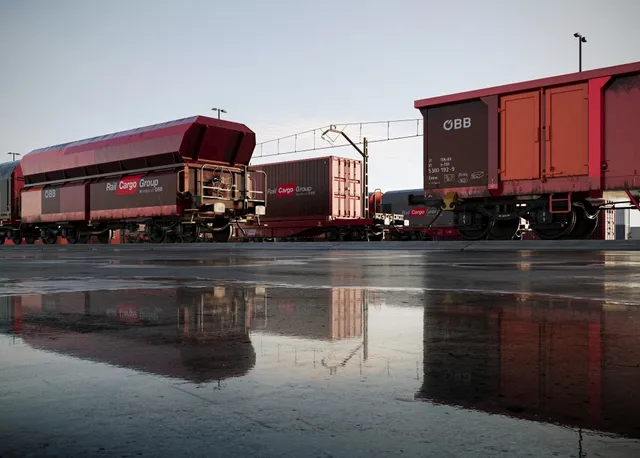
(315, 350)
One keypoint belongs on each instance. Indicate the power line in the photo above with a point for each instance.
(312, 140)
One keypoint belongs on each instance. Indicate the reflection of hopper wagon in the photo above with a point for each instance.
(197, 336)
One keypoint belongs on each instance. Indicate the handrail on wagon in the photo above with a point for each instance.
(249, 193)
(232, 190)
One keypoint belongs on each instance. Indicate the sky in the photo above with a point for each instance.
(77, 69)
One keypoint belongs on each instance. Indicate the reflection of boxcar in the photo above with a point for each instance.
(550, 360)
(194, 335)
(323, 314)
(546, 150)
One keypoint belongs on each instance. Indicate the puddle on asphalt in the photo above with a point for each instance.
(353, 351)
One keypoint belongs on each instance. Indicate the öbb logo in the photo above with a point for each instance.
(285, 190)
(421, 211)
(455, 124)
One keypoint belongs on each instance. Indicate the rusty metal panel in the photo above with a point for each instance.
(567, 130)
(322, 187)
(622, 132)
(520, 136)
(134, 195)
(397, 202)
(456, 145)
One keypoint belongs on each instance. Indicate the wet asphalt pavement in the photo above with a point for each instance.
(306, 352)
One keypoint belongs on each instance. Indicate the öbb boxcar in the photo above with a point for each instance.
(553, 151)
(176, 180)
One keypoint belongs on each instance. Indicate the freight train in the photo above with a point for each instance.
(554, 151)
(174, 180)
(320, 198)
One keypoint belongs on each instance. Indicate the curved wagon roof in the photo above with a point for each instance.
(197, 138)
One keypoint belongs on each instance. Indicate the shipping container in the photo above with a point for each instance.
(545, 150)
(316, 199)
(196, 336)
(135, 196)
(326, 188)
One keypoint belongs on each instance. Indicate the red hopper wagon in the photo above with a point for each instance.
(320, 197)
(553, 151)
(176, 180)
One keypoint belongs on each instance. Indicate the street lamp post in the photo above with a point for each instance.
(581, 40)
(13, 155)
(219, 110)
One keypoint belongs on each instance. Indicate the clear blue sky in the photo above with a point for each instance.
(75, 69)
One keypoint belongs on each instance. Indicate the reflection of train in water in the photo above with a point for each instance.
(552, 361)
(197, 335)
(193, 334)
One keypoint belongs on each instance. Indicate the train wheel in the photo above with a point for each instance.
(475, 226)
(191, 232)
(30, 239)
(157, 234)
(2, 239)
(48, 237)
(105, 237)
(504, 230)
(16, 238)
(587, 218)
(559, 229)
(376, 237)
(223, 235)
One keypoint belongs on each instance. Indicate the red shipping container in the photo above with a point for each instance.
(327, 188)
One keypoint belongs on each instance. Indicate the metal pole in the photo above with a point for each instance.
(365, 176)
(13, 155)
(581, 40)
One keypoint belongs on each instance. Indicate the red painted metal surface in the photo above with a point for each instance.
(557, 134)
(375, 202)
(569, 78)
(622, 133)
(197, 138)
(321, 188)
